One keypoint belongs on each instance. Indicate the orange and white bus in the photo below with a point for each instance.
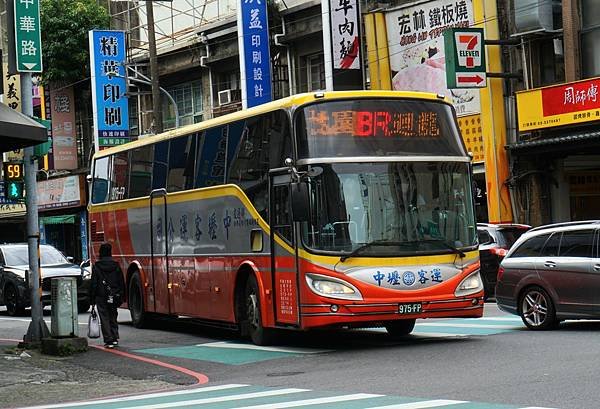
(335, 209)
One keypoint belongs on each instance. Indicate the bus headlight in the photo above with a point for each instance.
(470, 285)
(332, 287)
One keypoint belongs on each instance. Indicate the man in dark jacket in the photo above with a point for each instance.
(107, 291)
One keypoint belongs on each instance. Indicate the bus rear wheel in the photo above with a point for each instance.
(258, 334)
(400, 328)
(135, 301)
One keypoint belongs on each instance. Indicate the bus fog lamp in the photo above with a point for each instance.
(470, 285)
(334, 308)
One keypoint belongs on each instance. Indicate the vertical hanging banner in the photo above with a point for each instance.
(255, 59)
(344, 34)
(64, 142)
(109, 84)
(12, 89)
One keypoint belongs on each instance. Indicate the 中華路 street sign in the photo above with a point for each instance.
(28, 41)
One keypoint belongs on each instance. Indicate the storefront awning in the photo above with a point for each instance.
(18, 130)
(63, 219)
(561, 142)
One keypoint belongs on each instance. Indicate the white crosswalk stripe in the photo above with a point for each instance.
(316, 401)
(421, 405)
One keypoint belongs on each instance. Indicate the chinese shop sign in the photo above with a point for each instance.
(111, 111)
(255, 61)
(345, 37)
(565, 104)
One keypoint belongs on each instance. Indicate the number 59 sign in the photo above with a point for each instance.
(465, 58)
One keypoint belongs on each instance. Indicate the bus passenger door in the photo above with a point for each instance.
(283, 252)
(160, 272)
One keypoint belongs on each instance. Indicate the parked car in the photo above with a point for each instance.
(552, 273)
(14, 277)
(494, 242)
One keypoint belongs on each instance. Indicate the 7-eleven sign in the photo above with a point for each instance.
(465, 58)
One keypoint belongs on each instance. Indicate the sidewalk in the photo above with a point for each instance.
(29, 378)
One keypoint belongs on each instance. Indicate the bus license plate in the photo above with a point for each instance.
(412, 308)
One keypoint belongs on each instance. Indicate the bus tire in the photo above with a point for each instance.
(258, 334)
(399, 328)
(135, 301)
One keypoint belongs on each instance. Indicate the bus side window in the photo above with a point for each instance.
(119, 172)
(100, 186)
(182, 155)
(160, 165)
(140, 177)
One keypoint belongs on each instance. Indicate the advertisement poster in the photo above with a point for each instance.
(64, 142)
(416, 47)
(109, 87)
(254, 51)
(56, 193)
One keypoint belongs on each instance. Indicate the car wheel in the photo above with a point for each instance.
(139, 317)
(537, 309)
(258, 334)
(400, 328)
(11, 299)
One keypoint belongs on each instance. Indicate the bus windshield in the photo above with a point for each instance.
(402, 207)
(377, 127)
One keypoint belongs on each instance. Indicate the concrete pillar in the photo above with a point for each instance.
(571, 27)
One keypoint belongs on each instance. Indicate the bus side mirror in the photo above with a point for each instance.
(299, 195)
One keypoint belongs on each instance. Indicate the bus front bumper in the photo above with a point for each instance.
(370, 314)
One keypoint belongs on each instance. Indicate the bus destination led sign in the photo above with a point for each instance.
(373, 123)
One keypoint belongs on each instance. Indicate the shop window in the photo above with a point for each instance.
(590, 38)
(188, 97)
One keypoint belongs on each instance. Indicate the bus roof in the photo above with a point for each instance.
(288, 102)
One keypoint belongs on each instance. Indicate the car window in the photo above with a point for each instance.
(552, 245)
(19, 255)
(484, 237)
(577, 243)
(531, 247)
(510, 236)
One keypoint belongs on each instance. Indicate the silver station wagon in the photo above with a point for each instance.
(552, 273)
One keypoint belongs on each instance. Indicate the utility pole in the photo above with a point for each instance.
(37, 327)
(156, 102)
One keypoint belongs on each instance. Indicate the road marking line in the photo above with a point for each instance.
(140, 397)
(420, 405)
(316, 401)
(290, 350)
(536, 407)
(220, 399)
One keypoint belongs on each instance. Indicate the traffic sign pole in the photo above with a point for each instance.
(37, 328)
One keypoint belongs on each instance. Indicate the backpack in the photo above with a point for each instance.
(112, 296)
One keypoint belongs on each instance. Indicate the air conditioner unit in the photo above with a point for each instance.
(224, 97)
(64, 307)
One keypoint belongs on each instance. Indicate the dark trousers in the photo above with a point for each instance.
(108, 321)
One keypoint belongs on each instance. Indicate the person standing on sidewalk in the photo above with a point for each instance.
(107, 291)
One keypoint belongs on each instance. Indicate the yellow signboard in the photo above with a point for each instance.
(470, 128)
(558, 105)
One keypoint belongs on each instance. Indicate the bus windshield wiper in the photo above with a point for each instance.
(446, 244)
(371, 244)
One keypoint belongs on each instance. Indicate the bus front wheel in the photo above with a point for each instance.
(400, 328)
(258, 334)
(139, 317)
